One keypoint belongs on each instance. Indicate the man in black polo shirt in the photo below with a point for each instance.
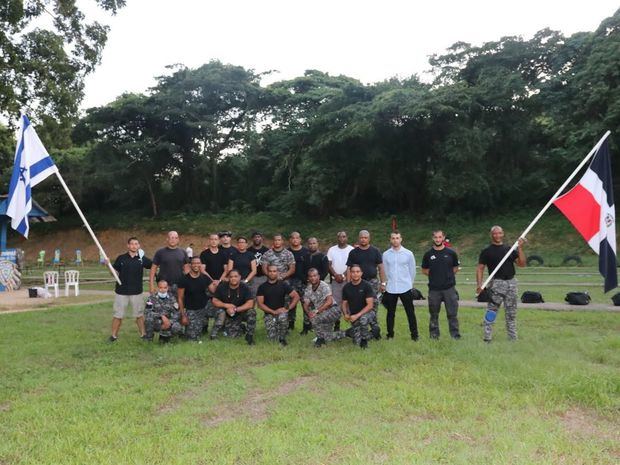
(130, 268)
(441, 264)
(192, 296)
(298, 280)
(357, 303)
(271, 297)
(318, 260)
(258, 249)
(235, 299)
(170, 262)
(503, 286)
(369, 258)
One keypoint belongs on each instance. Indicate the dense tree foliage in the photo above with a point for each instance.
(499, 127)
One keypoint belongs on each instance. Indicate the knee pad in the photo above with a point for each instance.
(490, 316)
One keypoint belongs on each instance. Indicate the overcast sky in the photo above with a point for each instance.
(368, 40)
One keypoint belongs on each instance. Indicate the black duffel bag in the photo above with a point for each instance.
(578, 298)
(417, 294)
(616, 299)
(483, 296)
(532, 297)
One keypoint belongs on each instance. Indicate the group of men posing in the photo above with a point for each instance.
(224, 285)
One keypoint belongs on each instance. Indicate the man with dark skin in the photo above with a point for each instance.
(271, 297)
(298, 280)
(258, 249)
(193, 299)
(235, 298)
(337, 256)
(321, 309)
(357, 305)
(318, 260)
(279, 256)
(503, 286)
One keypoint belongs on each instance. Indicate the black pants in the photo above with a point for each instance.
(451, 300)
(389, 302)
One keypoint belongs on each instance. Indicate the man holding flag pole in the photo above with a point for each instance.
(590, 207)
(32, 165)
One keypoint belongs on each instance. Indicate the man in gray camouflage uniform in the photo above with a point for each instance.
(283, 259)
(271, 300)
(503, 286)
(162, 315)
(192, 294)
(357, 304)
(235, 299)
(321, 309)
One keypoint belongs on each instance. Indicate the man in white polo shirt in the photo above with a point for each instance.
(399, 264)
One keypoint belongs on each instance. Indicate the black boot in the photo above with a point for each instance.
(164, 339)
(363, 344)
(307, 327)
(249, 339)
(291, 324)
(376, 333)
(319, 342)
(337, 326)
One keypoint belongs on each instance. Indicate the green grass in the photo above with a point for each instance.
(66, 397)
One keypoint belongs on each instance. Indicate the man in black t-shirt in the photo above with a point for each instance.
(258, 249)
(503, 286)
(193, 299)
(214, 260)
(318, 260)
(243, 261)
(271, 297)
(357, 303)
(235, 298)
(225, 246)
(170, 263)
(441, 264)
(298, 280)
(369, 258)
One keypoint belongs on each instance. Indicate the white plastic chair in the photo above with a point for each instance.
(50, 279)
(72, 278)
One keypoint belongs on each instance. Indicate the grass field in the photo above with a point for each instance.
(67, 397)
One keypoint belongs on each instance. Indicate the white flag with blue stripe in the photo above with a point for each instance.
(32, 165)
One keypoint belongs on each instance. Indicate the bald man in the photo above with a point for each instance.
(170, 263)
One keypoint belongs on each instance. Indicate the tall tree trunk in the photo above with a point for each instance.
(149, 186)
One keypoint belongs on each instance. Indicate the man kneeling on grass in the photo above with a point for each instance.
(270, 297)
(357, 304)
(236, 299)
(321, 309)
(162, 315)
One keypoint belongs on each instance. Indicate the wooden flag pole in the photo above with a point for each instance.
(92, 234)
(546, 207)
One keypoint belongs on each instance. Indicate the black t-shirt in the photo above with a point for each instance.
(214, 262)
(170, 262)
(274, 293)
(368, 259)
(195, 291)
(493, 254)
(130, 272)
(258, 254)
(242, 262)
(356, 295)
(440, 264)
(302, 263)
(320, 261)
(228, 251)
(237, 297)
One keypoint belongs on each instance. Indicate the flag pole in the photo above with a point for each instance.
(92, 234)
(546, 207)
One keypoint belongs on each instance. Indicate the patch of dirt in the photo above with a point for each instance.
(5, 407)
(256, 405)
(584, 423)
(173, 402)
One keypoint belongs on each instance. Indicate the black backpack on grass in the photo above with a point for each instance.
(532, 297)
(417, 294)
(578, 298)
(616, 299)
(483, 296)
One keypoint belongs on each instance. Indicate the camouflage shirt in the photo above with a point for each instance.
(317, 297)
(282, 259)
(167, 306)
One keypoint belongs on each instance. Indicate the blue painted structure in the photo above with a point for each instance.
(37, 214)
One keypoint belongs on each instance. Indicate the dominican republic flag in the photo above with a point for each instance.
(589, 206)
(32, 165)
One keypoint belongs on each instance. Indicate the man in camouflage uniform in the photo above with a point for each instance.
(357, 304)
(283, 259)
(271, 300)
(193, 299)
(235, 299)
(298, 280)
(503, 286)
(321, 309)
(162, 315)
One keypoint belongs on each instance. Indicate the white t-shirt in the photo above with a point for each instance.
(338, 258)
(190, 252)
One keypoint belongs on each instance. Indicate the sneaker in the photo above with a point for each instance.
(112, 339)
(249, 339)
(363, 344)
(319, 342)
(283, 342)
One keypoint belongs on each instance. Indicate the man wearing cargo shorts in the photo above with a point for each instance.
(321, 309)
(193, 299)
(503, 286)
(130, 268)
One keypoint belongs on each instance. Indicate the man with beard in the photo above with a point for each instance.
(193, 299)
(369, 259)
(357, 304)
(298, 280)
(503, 286)
(235, 298)
(271, 297)
(441, 264)
(321, 309)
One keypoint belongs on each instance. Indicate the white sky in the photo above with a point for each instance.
(367, 40)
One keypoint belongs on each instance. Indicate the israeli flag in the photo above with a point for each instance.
(32, 165)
